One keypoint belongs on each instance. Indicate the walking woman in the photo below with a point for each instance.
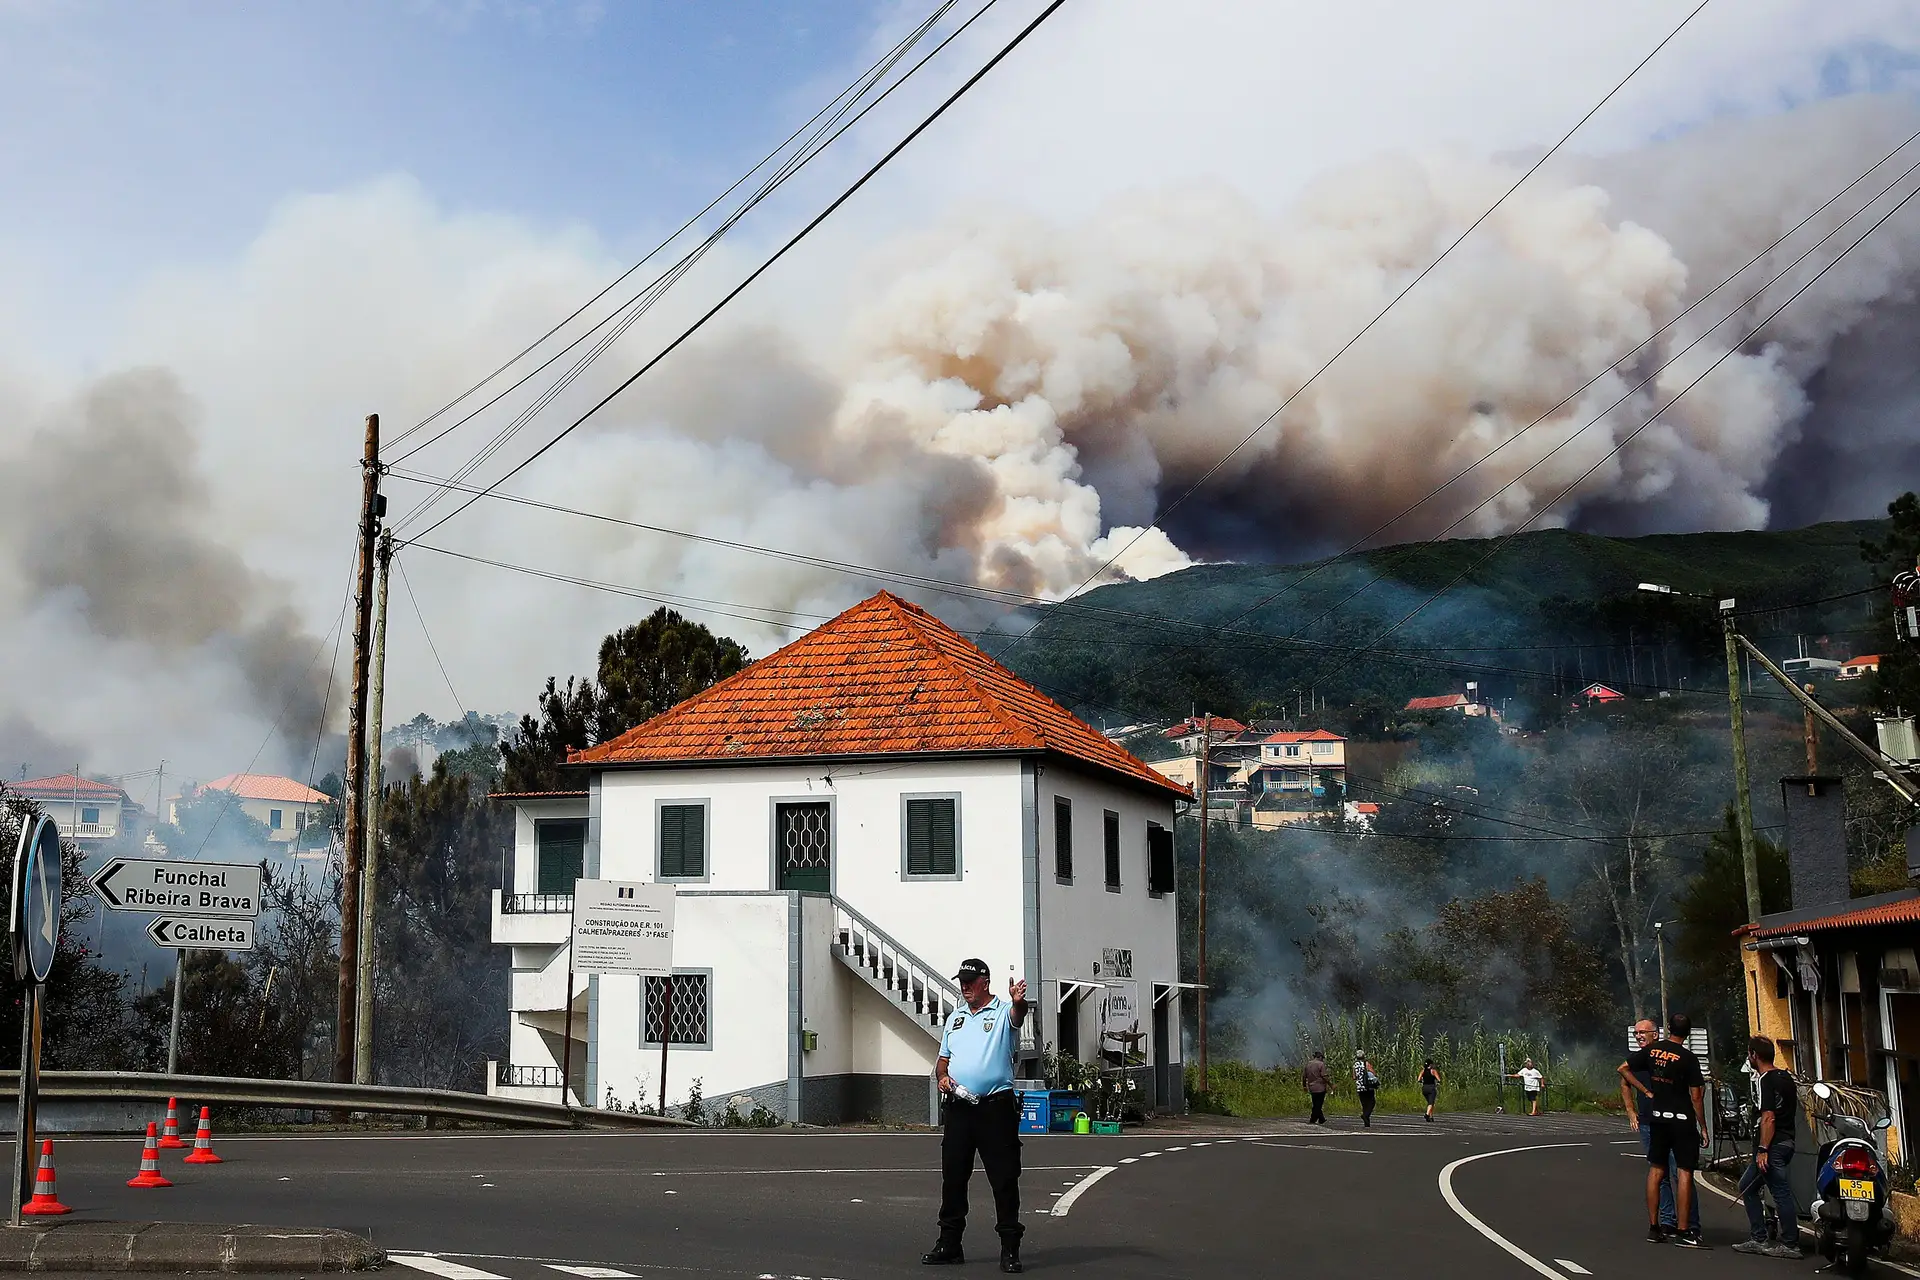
(1366, 1081)
(1429, 1086)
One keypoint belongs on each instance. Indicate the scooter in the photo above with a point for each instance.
(1850, 1217)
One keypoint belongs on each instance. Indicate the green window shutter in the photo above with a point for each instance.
(1063, 837)
(683, 841)
(932, 849)
(561, 848)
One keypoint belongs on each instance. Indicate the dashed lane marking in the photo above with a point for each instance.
(1466, 1215)
(442, 1267)
(591, 1273)
(1065, 1204)
(1309, 1146)
(1574, 1267)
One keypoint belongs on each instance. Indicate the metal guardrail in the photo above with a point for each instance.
(533, 904)
(325, 1095)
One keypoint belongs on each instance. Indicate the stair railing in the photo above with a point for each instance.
(913, 982)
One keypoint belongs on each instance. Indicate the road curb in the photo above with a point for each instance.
(183, 1246)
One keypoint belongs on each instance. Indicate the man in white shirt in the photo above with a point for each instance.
(1531, 1082)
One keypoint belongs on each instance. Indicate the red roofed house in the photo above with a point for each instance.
(83, 809)
(1855, 668)
(1600, 693)
(1440, 702)
(848, 819)
(282, 805)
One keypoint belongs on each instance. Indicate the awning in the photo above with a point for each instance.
(1070, 987)
(1163, 991)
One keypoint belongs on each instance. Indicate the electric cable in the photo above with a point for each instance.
(432, 648)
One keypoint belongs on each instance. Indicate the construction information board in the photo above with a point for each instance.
(622, 927)
(230, 889)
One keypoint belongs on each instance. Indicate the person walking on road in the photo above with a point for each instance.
(1531, 1082)
(1676, 1093)
(1640, 1119)
(1366, 1081)
(1429, 1086)
(1316, 1079)
(1772, 1152)
(979, 1112)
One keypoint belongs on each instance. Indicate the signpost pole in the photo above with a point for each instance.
(666, 1036)
(173, 1027)
(566, 1048)
(24, 1143)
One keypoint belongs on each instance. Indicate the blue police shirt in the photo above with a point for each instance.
(978, 1047)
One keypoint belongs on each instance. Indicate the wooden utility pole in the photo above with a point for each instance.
(370, 844)
(355, 820)
(1742, 795)
(1810, 730)
(1200, 976)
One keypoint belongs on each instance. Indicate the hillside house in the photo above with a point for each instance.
(282, 805)
(847, 819)
(83, 809)
(1857, 668)
(1439, 702)
(1597, 692)
(1191, 732)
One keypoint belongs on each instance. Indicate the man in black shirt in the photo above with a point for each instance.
(1772, 1152)
(1675, 1092)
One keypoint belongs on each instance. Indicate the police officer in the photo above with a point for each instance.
(980, 1112)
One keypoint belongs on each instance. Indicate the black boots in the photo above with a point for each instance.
(1010, 1259)
(943, 1254)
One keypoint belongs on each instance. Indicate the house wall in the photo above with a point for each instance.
(66, 815)
(1079, 920)
(524, 873)
(290, 810)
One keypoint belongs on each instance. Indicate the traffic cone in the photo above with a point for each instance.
(46, 1197)
(202, 1152)
(149, 1175)
(170, 1131)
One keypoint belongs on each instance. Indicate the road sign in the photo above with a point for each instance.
(35, 917)
(188, 932)
(622, 927)
(229, 889)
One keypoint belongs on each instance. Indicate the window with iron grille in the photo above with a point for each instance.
(683, 840)
(1063, 838)
(1113, 849)
(690, 1013)
(931, 837)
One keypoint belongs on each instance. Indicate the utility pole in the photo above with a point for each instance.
(1742, 795)
(1200, 977)
(1810, 730)
(370, 845)
(1660, 947)
(347, 1004)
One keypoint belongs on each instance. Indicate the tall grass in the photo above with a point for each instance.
(1468, 1060)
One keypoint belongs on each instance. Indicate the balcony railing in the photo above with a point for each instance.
(528, 1077)
(536, 904)
(84, 829)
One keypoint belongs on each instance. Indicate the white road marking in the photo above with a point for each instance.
(591, 1273)
(442, 1267)
(1308, 1146)
(1065, 1205)
(1574, 1267)
(1453, 1202)
(1176, 1148)
(1130, 1160)
(1148, 1155)
(778, 1173)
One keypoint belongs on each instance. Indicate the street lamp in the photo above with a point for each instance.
(1742, 796)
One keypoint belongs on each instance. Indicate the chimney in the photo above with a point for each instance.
(1473, 692)
(1816, 840)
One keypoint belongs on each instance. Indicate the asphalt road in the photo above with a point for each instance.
(1557, 1196)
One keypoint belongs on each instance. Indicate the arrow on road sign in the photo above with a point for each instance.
(194, 932)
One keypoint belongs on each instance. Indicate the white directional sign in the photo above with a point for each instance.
(229, 889)
(192, 932)
(622, 927)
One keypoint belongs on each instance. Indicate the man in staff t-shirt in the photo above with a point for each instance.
(1675, 1093)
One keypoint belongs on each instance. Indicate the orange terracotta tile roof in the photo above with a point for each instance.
(267, 786)
(1310, 735)
(536, 795)
(1439, 702)
(1198, 724)
(65, 786)
(1905, 910)
(1867, 659)
(884, 678)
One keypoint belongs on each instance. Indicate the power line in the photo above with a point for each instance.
(852, 93)
(432, 648)
(778, 254)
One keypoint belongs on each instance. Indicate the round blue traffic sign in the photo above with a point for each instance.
(35, 918)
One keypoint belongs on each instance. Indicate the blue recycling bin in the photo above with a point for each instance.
(1065, 1104)
(1036, 1111)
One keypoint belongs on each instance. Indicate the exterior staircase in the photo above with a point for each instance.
(916, 988)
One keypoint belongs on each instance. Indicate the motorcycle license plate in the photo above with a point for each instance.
(1856, 1188)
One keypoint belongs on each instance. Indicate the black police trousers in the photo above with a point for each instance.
(990, 1127)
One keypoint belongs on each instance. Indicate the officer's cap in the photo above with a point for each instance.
(971, 969)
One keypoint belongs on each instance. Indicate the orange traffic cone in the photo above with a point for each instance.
(170, 1131)
(46, 1197)
(149, 1175)
(202, 1152)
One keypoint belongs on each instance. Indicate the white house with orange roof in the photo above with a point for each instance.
(1857, 668)
(848, 819)
(85, 810)
(282, 805)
